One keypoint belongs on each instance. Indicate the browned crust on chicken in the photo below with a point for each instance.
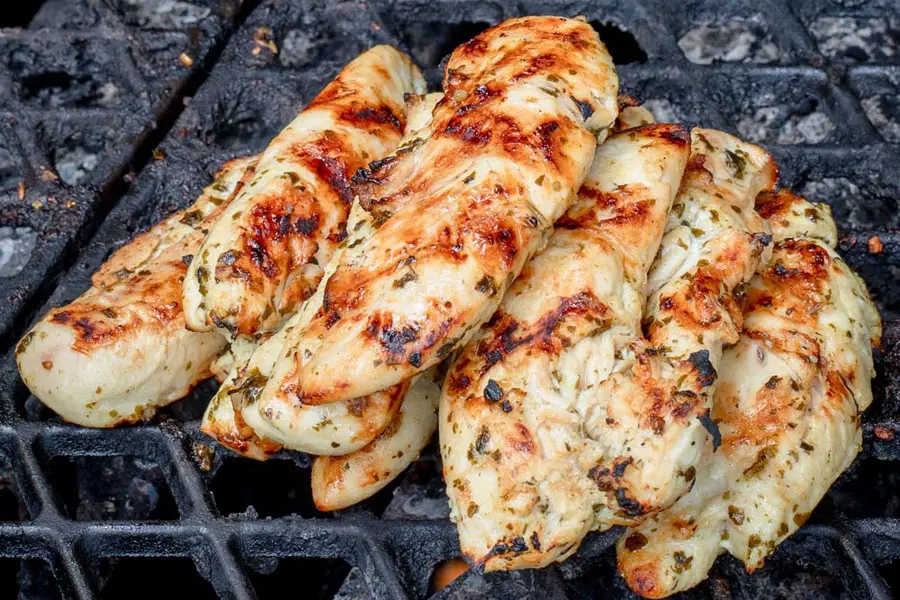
(510, 146)
(786, 413)
(120, 350)
(511, 439)
(265, 255)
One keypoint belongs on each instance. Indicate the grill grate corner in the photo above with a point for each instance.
(86, 514)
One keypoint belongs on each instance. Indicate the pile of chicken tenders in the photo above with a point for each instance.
(610, 321)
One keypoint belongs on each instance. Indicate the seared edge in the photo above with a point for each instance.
(646, 411)
(512, 141)
(785, 415)
(120, 350)
(511, 437)
(341, 481)
(265, 412)
(265, 255)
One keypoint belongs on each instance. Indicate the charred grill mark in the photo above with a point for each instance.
(523, 443)
(86, 328)
(459, 383)
(673, 133)
(472, 134)
(800, 262)
(536, 64)
(621, 465)
(61, 317)
(600, 476)
(260, 257)
(496, 234)
(546, 144)
(334, 171)
(769, 204)
(381, 115)
(584, 108)
(706, 372)
(504, 341)
(712, 428)
(307, 226)
(474, 47)
(631, 506)
(625, 203)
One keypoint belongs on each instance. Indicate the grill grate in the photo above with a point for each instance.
(154, 509)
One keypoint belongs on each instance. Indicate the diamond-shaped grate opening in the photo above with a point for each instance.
(111, 488)
(275, 488)
(133, 578)
(28, 578)
(321, 577)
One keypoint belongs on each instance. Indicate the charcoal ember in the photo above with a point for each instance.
(512, 585)
(883, 111)
(11, 169)
(849, 203)
(803, 567)
(736, 40)
(857, 39)
(880, 479)
(79, 72)
(163, 14)
(421, 493)
(354, 587)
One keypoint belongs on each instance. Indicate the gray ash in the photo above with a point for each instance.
(779, 124)
(16, 246)
(883, 110)
(737, 40)
(857, 39)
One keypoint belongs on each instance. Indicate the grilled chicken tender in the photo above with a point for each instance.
(510, 435)
(787, 407)
(512, 140)
(645, 402)
(335, 428)
(233, 416)
(341, 481)
(265, 255)
(120, 350)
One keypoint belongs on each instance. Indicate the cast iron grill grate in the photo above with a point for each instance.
(152, 510)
